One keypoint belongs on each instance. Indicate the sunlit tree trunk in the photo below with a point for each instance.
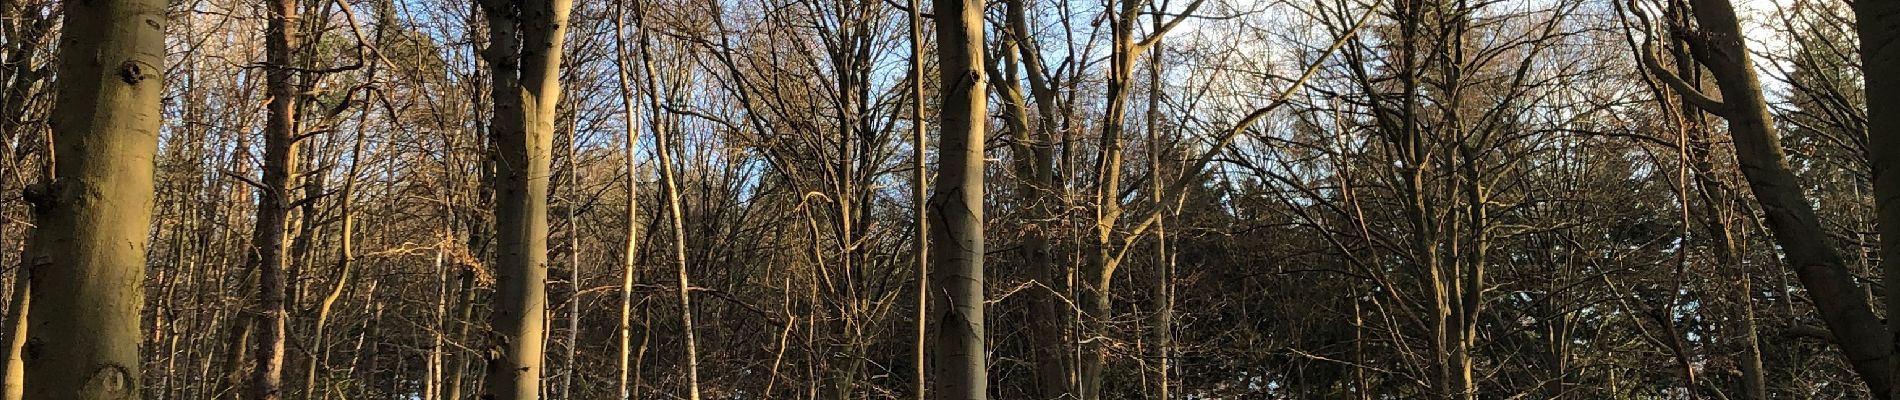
(1107, 251)
(88, 252)
(524, 59)
(28, 31)
(956, 205)
(669, 185)
(15, 339)
(1162, 301)
(920, 199)
(346, 257)
(269, 242)
(1097, 297)
(628, 102)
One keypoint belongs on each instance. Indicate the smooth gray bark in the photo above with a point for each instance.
(88, 254)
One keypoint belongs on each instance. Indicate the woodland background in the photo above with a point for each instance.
(1275, 199)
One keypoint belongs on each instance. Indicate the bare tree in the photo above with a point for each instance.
(1790, 216)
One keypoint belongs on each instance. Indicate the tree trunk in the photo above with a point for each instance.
(920, 197)
(1034, 161)
(88, 264)
(685, 287)
(631, 253)
(18, 83)
(1163, 296)
(1790, 215)
(324, 307)
(14, 335)
(670, 186)
(524, 58)
(1879, 62)
(573, 269)
(956, 204)
(1720, 209)
(1102, 259)
(237, 350)
(269, 238)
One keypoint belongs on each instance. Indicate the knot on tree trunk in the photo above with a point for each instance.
(132, 72)
(109, 381)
